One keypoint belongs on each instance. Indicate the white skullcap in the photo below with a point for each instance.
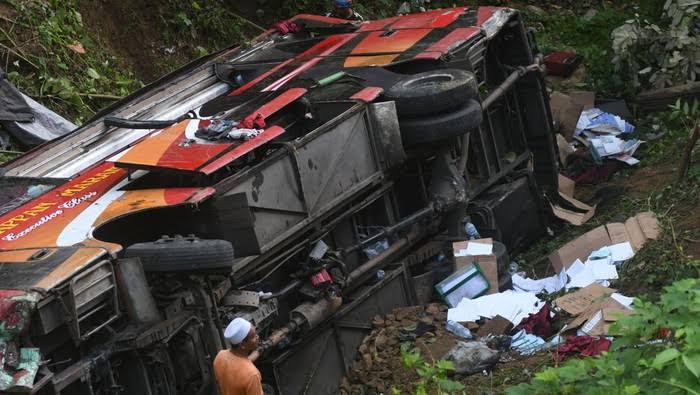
(237, 330)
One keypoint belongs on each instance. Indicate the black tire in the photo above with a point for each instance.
(442, 126)
(182, 254)
(432, 92)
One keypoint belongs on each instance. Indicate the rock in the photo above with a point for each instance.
(472, 357)
(368, 361)
(433, 309)
(389, 318)
(364, 348)
(381, 341)
(403, 313)
(441, 317)
(345, 386)
(427, 320)
(378, 322)
(589, 15)
(536, 10)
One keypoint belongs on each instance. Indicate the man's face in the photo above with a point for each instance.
(251, 341)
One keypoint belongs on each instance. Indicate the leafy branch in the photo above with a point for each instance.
(432, 375)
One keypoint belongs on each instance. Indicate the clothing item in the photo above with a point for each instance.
(236, 375)
(342, 3)
(585, 346)
(539, 324)
(237, 330)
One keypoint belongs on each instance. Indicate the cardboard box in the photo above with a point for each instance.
(581, 300)
(597, 318)
(488, 264)
(636, 230)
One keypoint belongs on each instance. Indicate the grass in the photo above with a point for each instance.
(563, 29)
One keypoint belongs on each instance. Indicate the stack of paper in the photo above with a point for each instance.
(510, 305)
(596, 121)
(602, 130)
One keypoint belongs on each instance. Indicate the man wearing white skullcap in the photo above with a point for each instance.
(234, 372)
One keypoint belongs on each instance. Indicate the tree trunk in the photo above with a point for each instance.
(688, 153)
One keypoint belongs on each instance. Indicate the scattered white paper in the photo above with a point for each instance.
(592, 322)
(621, 251)
(622, 299)
(612, 148)
(511, 305)
(582, 279)
(575, 269)
(626, 158)
(474, 248)
(549, 284)
(602, 269)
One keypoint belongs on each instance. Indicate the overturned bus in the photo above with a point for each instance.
(301, 182)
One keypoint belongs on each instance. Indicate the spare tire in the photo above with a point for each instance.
(182, 254)
(432, 92)
(441, 126)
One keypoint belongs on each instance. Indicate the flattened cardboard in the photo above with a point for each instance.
(649, 224)
(579, 301)
(566, 192)
(566, 185)
(636, 230)
(564, 150)
(597, 319)
(584, 98)
(579, 248)
(617, 232)
(494, 326)
(565, 112)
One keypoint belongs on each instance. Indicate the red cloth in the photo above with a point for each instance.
(585, 346)
(254, 120)
(598, 173)
(539, 324)
(285, 27)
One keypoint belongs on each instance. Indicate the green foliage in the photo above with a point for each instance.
(66, 69)
(558, 31)
(433, 377)
(202, 27)
(650, 55)
(658, 352)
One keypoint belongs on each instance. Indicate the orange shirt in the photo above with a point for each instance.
(236, 375)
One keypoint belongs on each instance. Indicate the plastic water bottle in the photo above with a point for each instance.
(513, 268)
(380, 275)
(472, 233)
(459, 330)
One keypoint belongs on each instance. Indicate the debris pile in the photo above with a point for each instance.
(569, 314)
(379, 362)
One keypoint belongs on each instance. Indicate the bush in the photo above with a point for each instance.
(658, 353)
(648, 55)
